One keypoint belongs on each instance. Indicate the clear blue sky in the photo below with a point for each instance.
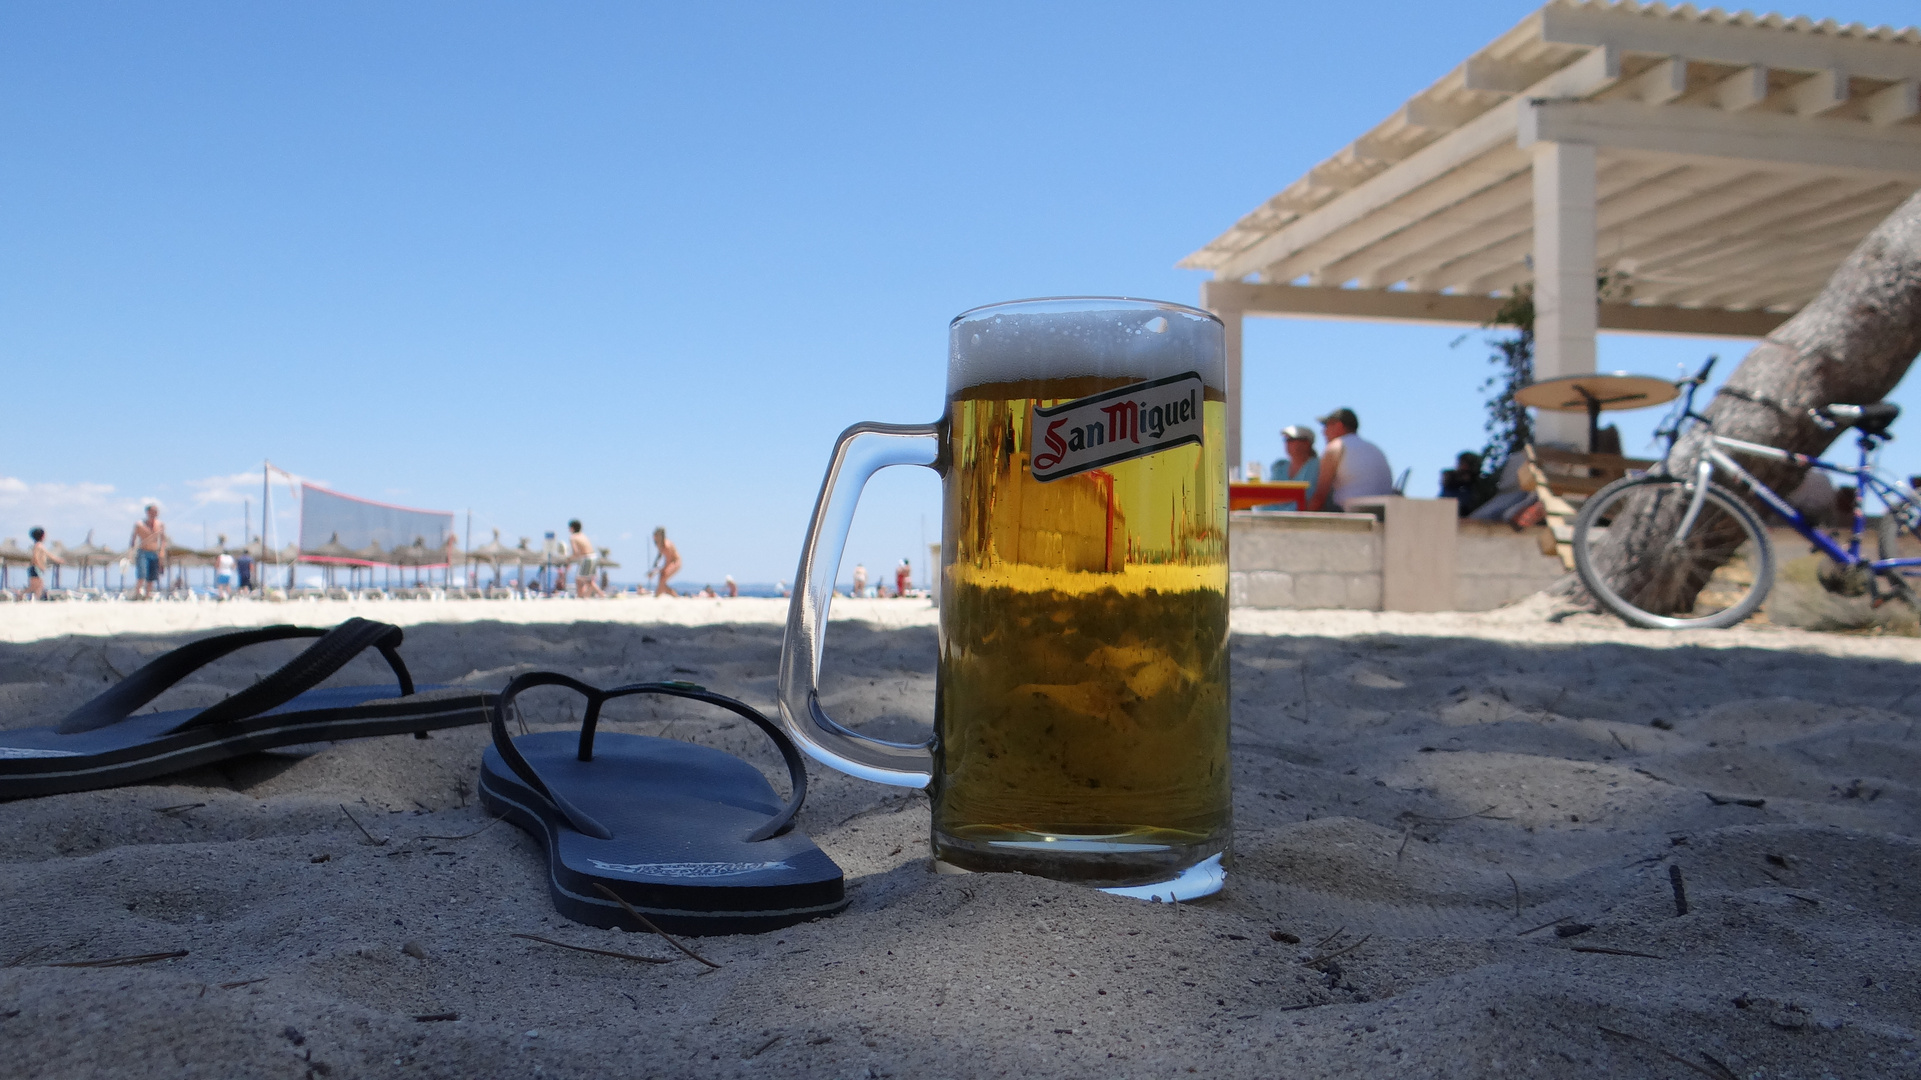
(640, 264)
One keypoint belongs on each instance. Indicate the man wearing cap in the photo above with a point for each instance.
(1352, 467)
(1301, 463)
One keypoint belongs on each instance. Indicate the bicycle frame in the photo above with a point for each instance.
(1865, 476)
(1866, 479)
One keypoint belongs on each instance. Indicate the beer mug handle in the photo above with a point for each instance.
(861, 451)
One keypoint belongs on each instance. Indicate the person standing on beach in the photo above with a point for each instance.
(860, 579)
(223, 568)
(39, 563)
(149, 552)
(666, 562)
(586, 582)
(903, 578)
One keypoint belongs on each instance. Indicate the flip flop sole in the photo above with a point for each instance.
(37, 762)
(678, 814)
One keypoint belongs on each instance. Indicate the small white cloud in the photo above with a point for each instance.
(65, 509)
(68, 511)
(236, 488)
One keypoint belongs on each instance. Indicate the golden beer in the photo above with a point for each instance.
(1082, 714)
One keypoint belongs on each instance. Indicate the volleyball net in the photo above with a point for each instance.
(332, 521)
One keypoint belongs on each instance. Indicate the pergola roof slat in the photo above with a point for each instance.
(1716, 166)
(1808, 217)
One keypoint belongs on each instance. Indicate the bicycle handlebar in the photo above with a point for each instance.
(1671, 430)
(1700, 377)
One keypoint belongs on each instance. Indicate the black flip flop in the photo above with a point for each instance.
(695, 839)
(103, 744)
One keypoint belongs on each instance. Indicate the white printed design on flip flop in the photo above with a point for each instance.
(10, 753)
(689, 869)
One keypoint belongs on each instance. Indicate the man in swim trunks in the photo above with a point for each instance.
(668, 561)
(585, 581)
(149, 551)
(38, 564)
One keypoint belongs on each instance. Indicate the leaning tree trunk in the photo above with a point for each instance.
(1851, 344)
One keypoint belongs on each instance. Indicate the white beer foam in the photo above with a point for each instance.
(1060, 338)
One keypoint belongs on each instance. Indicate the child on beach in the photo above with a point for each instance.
(585, 583)
(223, 570)
(42, 560)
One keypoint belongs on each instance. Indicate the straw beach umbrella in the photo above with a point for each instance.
(416, 555)
(493, 552)
(373, 556)
(523, 557)
(89, 555)
(11, 555)
(265, 556)
(181, 558)
(287, 557)
(74, 556)
(332, 549)
(329, 555)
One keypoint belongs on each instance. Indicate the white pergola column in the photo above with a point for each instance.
(1566, 308)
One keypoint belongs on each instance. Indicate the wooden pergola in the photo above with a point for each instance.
(1714, 168)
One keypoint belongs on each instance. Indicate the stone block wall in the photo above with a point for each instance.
(1494, 565)
(1304, 561)
(1291, 560)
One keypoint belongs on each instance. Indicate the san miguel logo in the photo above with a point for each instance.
(1116, 425)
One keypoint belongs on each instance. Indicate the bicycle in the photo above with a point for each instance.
(1719, 549)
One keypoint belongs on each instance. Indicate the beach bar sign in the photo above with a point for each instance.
(1115, 425)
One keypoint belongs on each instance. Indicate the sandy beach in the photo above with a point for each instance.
(1461, 844)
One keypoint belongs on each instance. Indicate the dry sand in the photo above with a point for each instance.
(1416, 796)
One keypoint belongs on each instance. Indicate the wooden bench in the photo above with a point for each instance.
(1562, 480)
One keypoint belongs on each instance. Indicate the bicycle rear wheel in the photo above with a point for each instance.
(1631, 556)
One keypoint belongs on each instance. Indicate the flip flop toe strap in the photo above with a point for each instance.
(303, 673)
(312, 667)
(596, 697)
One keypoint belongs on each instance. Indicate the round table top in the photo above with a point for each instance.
(1613, 390)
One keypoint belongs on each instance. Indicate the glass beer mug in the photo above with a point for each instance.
(1081, 715)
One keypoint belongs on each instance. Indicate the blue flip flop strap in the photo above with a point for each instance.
(596, 697)
(312, 667)
(321, 659)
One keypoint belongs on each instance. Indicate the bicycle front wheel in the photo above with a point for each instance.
(1643, 559)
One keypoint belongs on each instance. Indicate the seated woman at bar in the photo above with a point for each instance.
(1301, 463)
